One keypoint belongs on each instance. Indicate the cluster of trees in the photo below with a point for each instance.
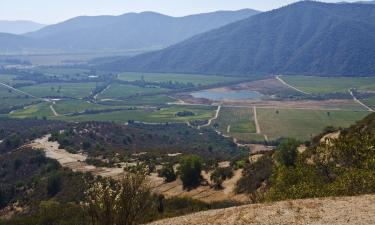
(335, 167)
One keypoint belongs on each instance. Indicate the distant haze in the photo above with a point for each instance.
(48, 12)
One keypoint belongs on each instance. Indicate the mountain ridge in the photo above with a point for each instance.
(301, 38)
(146, 30)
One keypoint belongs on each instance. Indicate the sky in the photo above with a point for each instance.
(53, 11)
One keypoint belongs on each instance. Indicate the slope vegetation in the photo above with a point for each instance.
(302, 38)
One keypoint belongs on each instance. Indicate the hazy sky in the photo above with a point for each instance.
(52, 11)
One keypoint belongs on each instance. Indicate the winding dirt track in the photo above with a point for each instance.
(359, 102)
(345, 210)
(290, 86)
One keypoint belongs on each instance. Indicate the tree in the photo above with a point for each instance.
(53, 184)
(168, 173)
(286, 153)
(126, 202)
(190, 170)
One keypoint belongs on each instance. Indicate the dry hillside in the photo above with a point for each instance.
(345, 210)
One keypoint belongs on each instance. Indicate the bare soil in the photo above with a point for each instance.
(345, 210)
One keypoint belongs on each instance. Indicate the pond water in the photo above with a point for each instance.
(217, 95)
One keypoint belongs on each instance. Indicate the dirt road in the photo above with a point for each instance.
(213, 118)
(76, 162)
(290, 86)
(359, 102)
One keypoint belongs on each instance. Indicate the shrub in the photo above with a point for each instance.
(190, 171)
(286, 153)
(168, 173)
(54, 184)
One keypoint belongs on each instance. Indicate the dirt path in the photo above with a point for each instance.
(104, 90)
(228, 129)
(359, 102)
(258, 131)
(53, 109)
(76, 162)
(344, 210)
(213, 118)
(290, 86)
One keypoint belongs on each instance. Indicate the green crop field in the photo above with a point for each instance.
(303, 124)
(148, 115)
(126, 91)
(73, 90)
(35, 111)
(182, 78)
(75, 106)
(10, 98)
(240, 120)
(152, 100)
(369, 102)
(324, 85)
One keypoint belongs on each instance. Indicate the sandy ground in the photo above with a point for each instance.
(206, 193)
(346, 210)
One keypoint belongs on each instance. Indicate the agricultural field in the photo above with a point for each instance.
(120, 114)
(76, 106)
(181, 78)
(325, 85)
(39, 111)
(370, 102)
(148, 100)
(303, 124)
(236, 122)
(11, 99)
(71, 90)
(121, 91)
(148, 115)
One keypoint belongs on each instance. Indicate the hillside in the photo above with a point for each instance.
(302, 38)
(12, 42)
(145, 30)
(347, 210)
(19, 27)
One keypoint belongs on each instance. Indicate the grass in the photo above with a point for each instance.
(325, 85)
(126, 91)
(303, 124)
(74, 106)
(150, 116)
(370, 102)
(35, 111)
(182, 78)
(10, 99)
(11, 80)
(240, 120)
(72, 90)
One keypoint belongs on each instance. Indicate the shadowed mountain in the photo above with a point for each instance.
(302, 38)
(12, 42)
(145, 30)
(19, 27)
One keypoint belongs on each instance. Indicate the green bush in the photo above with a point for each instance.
(190, 170)
(286, 152)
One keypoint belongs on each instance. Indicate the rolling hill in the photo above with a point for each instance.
(302, 38)
(12, 42)
(147, 30)
(19, 27)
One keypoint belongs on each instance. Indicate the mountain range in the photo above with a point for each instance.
(129, 31)
(19, 27)
(302, 38)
